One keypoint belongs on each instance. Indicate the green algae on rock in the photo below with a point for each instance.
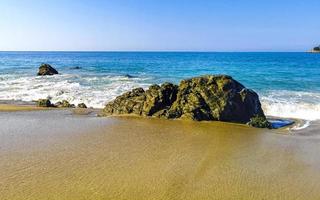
(44, 103)
(46, 69)
(64, 104)
(259, 121)
(82, 105)
(204, 98)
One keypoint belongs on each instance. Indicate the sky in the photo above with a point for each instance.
(159, 25)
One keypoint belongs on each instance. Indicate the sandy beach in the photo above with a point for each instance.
(23, 107)
(54, 154)
(159, 100)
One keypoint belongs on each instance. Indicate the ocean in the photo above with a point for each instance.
(288, 84)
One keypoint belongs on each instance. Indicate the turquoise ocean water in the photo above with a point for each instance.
(288, 83)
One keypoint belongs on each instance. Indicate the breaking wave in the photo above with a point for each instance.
(91, 90)
(292, 104)
(96, 91)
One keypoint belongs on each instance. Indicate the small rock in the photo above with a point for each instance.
(64, 104)
(82, 105)
(44, 103)
(46, 69)
(259, 122)
(75, 67)
(129, 76)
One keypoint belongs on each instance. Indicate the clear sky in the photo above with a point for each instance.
(159, 25)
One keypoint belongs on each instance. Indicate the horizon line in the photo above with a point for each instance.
(155, 51)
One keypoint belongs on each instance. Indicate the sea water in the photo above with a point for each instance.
(288, 83)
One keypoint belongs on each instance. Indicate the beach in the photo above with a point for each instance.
(288, 84)
(159, 100)
(56, 154)
(14, 107)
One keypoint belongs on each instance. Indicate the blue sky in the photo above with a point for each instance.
(164, 25)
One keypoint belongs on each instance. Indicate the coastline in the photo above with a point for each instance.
(19, 106)
(16, 106)
(13, 105)
(159, 100)
(88, 157)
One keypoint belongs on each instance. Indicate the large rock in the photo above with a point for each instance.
(209, 98)
(46, 69)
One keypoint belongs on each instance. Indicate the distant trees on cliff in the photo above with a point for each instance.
(316, 48)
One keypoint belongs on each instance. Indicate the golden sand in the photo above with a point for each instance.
(135, 158)
(13, 107)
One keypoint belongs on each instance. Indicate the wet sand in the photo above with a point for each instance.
(14, 107)
(58, 155)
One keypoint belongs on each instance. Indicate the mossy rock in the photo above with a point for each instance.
(204, 98)
(82, 105)
(44, 103)
(64, 104)
(259, 122)
(46, 69)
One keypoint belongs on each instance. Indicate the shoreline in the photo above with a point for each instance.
(87, 157)
(16, 106)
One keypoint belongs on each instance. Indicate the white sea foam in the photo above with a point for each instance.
(96, 91)
(93, 91)
(300, 126)
(292, 104)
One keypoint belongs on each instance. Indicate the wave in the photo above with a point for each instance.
(93, 91)
(96, 90)
(291, 104)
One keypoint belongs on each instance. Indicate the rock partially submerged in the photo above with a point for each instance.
(64, 104)
(205, 98)
(260, 121)
(82, 105)
(129, 76)
(75, 67)
(46, 69)
(44, 103)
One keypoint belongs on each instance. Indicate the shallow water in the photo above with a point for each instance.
(288, 83)
(55, 155)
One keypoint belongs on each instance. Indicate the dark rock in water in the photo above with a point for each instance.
(75, 67)
(129, 76)
(46, 69)
(208, 98)
(64, 104)
(82, 105)
(44, 103)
